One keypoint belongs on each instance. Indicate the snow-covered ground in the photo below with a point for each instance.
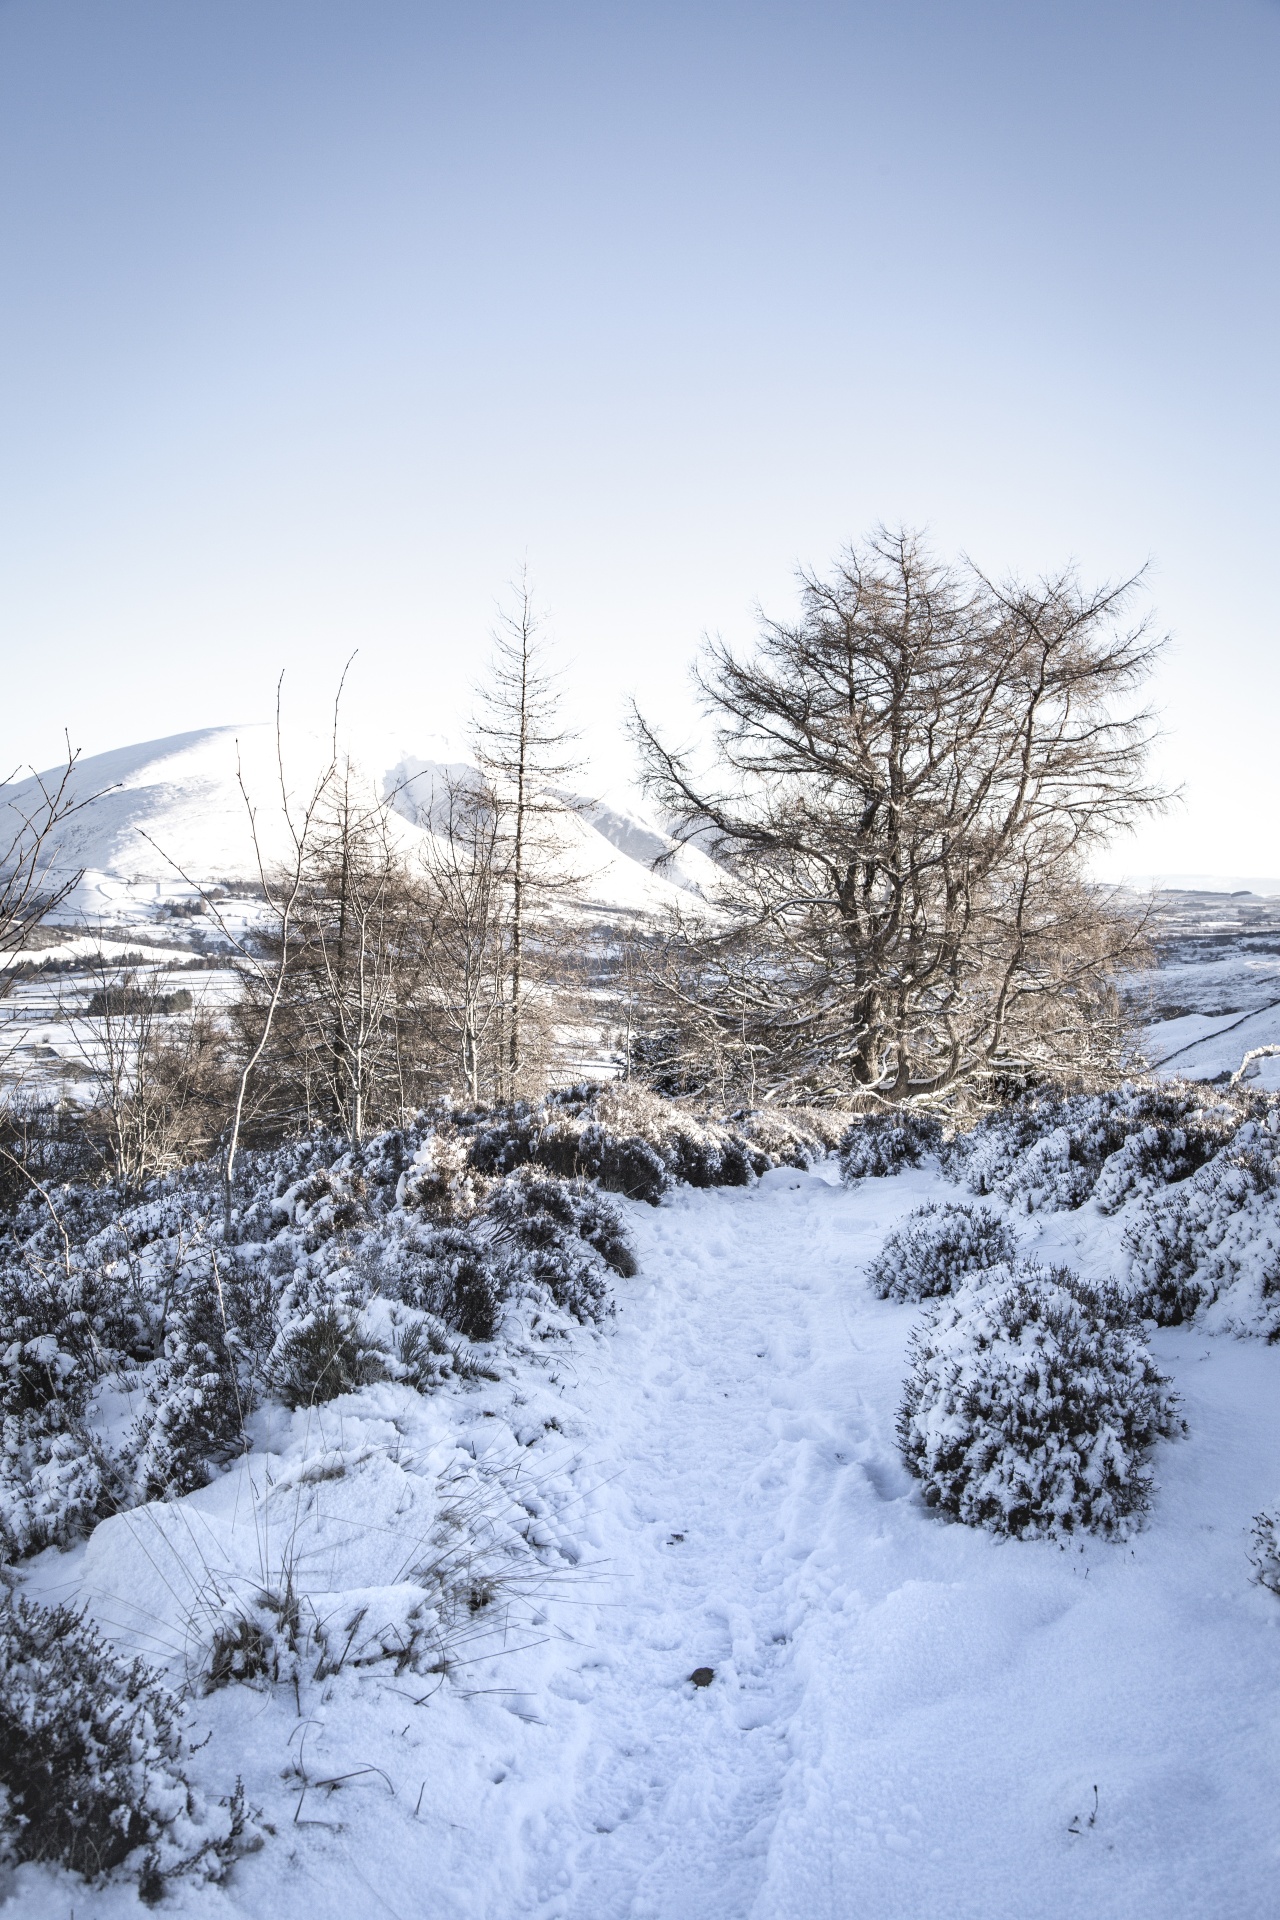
(1214, 996)
(907, 1718)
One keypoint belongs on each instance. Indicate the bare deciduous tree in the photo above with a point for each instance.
(526, 755)
(158, 1068)
(343, 1003)
(266, 964)
(464, 925)
(908, 782)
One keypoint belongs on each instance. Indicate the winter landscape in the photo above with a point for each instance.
(639, 962)
(625, 1497)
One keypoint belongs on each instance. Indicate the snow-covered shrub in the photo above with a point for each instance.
(321, 1349)
(442, 1183)
(560, 1237)
(884, 1143)
(1052, 1176)
(631, 1141)
(447, 1272)
(89, 1746)
(46, 1341)
(1048, 1150)
(1162, 1153)
(544, 1213)
(331, 1200)
(935, 1248)
(565, 1144)
(792, 1136)
(1213, 1242)
(1266, 1551)
(54, 1481)
(197, 1396)
(1032, 1405)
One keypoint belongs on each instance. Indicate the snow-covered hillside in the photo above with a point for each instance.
(1214, 997)
(163, 808)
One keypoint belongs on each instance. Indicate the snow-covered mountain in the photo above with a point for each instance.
(164, 809)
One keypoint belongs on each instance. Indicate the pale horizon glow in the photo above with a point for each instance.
(318, 319)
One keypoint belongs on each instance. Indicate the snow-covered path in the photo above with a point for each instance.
(730, 1467)
(908, 1719)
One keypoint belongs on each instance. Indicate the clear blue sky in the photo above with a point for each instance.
(315, 317)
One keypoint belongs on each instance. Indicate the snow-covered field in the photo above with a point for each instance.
(907, 1717)
(1215, 994)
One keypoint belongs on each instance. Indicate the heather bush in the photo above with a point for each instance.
(47, 1351)
(56, 1482)
(321, 1349)
(573, 1146)
(560, 1238)
(631, 1141)
(441, 1183)
(792, 1136)
(885, 1143)
(1032, 1406)
(447, 1272)
(935, 1248)
(198, 1393)
(539, 1212)
(89, 1746)
(1213, 1243)
(1048, 1151)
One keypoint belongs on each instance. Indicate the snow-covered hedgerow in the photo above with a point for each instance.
(935, 1248)
(391, 1261)
(1211, 1246)
(1048, 1151)
(631, 1141)
(791, 1136)
(1032, 1406)
(54, 1482)
(346, 1266)
(884, 1143)
(90, 1757)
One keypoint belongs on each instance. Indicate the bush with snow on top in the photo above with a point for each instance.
(206, 1381)
(442, 1183)
(447, 1272)
(885, 1143)
(540, 1213)
(1032, 1406)
(935, 1248)
(792, 1136)
(631, 1141)
(1048, 1151)
(1211, 1246)
(90, 1752)
(54, 1480)
(321, 1350)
